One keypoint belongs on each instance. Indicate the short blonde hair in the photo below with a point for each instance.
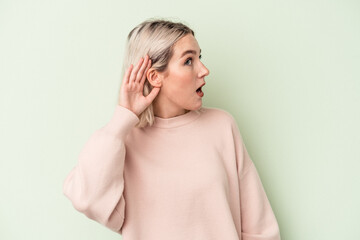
(155, 37)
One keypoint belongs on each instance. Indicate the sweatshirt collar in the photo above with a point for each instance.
(176, 121)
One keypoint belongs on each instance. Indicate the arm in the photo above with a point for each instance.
(258, 221)
(95, 185)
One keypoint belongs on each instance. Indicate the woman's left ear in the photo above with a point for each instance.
(154, 77)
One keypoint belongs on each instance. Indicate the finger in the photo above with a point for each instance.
(127, 74)
(141, 71)
(135, 71)
(146, 70)
(154, 92)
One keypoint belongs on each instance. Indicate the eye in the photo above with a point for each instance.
(200, 57)
(188, 61)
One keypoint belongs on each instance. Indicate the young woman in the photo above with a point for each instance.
(165, 167)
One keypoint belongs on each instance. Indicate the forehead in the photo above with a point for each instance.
(187, 42)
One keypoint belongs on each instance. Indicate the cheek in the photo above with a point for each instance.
(183, 81)
(180, 83)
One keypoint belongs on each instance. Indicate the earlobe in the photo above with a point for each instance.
(153, 77)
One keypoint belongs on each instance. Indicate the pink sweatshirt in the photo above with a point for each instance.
(189, 177)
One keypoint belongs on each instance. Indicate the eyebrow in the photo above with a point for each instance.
(189, 51)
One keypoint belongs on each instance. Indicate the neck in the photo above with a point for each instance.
(164, 110)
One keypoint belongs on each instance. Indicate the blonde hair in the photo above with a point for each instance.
(155, 37)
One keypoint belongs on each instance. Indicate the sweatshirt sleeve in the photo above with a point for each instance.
(258, 221)
(95, 185)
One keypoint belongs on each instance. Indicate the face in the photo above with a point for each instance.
(185, 73)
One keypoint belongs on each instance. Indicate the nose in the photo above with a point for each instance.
(204, 71)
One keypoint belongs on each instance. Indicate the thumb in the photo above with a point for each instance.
(154, 92)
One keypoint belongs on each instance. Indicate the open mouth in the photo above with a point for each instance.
(200, 92)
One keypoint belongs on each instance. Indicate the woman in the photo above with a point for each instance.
(164, 167)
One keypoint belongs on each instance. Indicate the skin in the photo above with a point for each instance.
(179, 81)
(131, 96)
(174, 91)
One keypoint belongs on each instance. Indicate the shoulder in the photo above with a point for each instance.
(218, 114)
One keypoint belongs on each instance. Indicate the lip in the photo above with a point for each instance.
(202, 93)
(201, 86)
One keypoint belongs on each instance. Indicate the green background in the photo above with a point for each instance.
(288, 71)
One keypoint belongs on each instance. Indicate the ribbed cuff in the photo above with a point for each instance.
(122, 121)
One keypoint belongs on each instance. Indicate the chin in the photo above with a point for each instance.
(193, 107)
(196, 107)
